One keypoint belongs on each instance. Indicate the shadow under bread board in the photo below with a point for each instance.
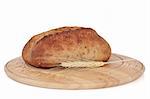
(76, 78)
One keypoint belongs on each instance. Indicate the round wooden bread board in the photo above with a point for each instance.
(76, 78)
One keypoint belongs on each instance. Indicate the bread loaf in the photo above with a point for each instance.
(50, 48)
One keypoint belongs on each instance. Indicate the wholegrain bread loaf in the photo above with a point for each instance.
(48, 49)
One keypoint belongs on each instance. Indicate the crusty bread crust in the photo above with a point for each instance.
(65, 44)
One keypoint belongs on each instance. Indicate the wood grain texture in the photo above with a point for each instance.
(76, 78)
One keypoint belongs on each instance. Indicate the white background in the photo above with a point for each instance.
(125, 24)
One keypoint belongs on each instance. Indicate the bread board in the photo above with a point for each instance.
(76, 78)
